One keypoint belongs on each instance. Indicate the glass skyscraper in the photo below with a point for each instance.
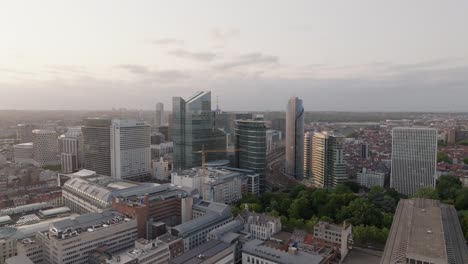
(294, 165)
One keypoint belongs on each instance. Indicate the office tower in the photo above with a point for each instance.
(24, 133)
(308, 154)
(71, 153)
(72, 240)
(294, 166)
(45, 147)
(170, 126)
(425, 231)
(328, 166)
(159, 118)
(193, 128)
(364, 150)
(414, 159)
(250, 141)
(23, 153)
(96, 145)
(130, 150)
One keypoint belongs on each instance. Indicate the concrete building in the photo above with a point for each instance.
(162, 149)
(192, 128)
(209, 253)
(159, 117)
(259, 226)
(250, 141)
(19, 260)
(425, 231)
(45, 147)
(368, 178)
(161, 169)
(32, 249)
(23, 153)
(328, 166)
(130, 150)
(24, 133)
(414, 159)
(341, 236)
(364, 150)
(273, 140)
(96, 145)
(71, 241)
(294, 165)
(71, 150)
(256, 252)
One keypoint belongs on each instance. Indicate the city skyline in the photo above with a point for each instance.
(147, 52)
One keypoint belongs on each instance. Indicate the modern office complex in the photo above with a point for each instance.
(193, 128)
(414, 159)
(23, 153)
(328, 166)
(159, 118)
(250, 144)
(294, 165)
(71, 241)
(96, 145)
(130, 150)
(45, 147)
(425, 231)
(71, 150)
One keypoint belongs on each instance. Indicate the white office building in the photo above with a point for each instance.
(414, 159)
(45, 147)
(368, 178)
(130, 150)
(161, 169)
(71, 144)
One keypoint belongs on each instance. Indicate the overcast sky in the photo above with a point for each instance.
(360, 55)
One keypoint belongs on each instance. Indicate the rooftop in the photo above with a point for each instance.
(201, 253)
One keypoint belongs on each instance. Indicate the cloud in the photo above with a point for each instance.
(199, 56)
(165, 41)
(68, 68)
(145, 74)
(255, 58)
(223, 35)
(134, 68)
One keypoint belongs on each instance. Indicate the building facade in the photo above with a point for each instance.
(96, 145)
(368, 178)
(161, 169)
(23, 153)
(294, 165)
(308, 154)
(159, 117)
(24, 133)
(130, 150)
(250, 142)
(414, 159)
(45, 147)
(71, 154)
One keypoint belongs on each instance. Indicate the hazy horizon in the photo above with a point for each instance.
(359, 56)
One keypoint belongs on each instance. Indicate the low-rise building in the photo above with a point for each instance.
(23, 153)
(334, 234)
(260, 226)
(211, 252)
(368, 178)
(161, 169)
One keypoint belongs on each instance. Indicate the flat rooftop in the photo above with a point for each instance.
(207, 250)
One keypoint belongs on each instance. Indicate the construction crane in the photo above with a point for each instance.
(203, 151)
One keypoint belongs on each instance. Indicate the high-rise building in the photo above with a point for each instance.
(24, 133)
(414, 159)
(45, 147)
(328, 166)
(71, 153)
(273, 140)
(130, 150)
(193, 128)
(364, 150)
(250, 140)
(308, 154)
(425, 231)
(159, 118)
(96, 145)
(294, 166)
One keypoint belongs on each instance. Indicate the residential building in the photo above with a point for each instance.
(96, 145)
(368, 178)
(23, 153)
(425, 231)
(71, 150)
(259, 226)
(256, 251)
(45, 147)
(211, 252)
(193, 128)
(130, 150)
(328, 167)
(341, 236)
(71, 241)
(294, 165)
(161, 169)
(250, 143)
(159, 117)
(414, 159)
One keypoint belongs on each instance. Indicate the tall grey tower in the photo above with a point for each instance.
(294, 165)
(193, 128)
(159, 118)
(414, 158)
(96, 145)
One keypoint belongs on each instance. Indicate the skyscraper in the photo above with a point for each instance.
(414, 158)
(130, 150)
(45, 147)
(250, 140)
(24, 133)
(159, 118)
(328, 166)
(294, 166)
(193, 127)
(71, 153)
(308, 154)
(96, 145)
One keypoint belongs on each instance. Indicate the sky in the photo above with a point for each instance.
(360, 55)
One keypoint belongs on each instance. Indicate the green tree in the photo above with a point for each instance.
(310, 224)
(465, 160)
(461, 201)
(443, 157)
(427, 192)
(448, 186)
(354, 186)
(361, 212)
